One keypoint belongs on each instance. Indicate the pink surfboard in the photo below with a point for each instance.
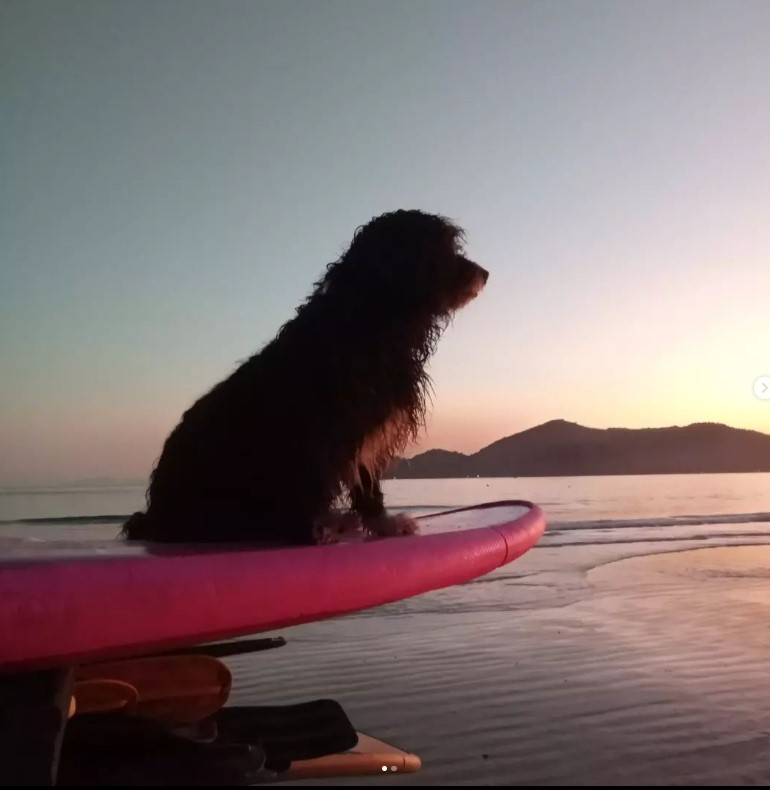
(63, 603)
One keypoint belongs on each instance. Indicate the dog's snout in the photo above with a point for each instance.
(479, 272)
(473, 270)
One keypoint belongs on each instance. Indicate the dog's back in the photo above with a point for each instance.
(258, 456)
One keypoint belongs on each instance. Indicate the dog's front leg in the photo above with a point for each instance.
(337, 527)
(366, 497)
(369, 503)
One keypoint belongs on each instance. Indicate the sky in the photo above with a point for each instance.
(175, 175)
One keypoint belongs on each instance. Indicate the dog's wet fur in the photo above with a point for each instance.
(291, 447)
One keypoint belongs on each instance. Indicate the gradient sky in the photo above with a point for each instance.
(175, 175)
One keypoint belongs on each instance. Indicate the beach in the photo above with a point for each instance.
(629, 648)
(645, 671)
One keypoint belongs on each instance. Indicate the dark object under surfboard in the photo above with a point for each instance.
(234, 746)
(239, 746)
(235, 647)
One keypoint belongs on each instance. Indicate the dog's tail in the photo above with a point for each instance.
(137, 527)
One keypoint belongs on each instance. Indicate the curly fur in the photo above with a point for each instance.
(311, 422)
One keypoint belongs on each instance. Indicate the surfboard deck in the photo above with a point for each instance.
(67, 604)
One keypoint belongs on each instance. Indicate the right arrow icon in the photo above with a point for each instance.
(762, 387)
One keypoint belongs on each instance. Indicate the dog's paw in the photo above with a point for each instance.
(397, 525)
(338, 527)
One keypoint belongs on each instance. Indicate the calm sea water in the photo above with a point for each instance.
(579, 509)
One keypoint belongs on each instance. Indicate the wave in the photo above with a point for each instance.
(553, 526)
(548, 540)
(67, 520)
(67, 491)
(666, 521)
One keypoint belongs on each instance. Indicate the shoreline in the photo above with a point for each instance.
(640, 670)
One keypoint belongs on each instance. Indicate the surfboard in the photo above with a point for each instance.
(64, 604)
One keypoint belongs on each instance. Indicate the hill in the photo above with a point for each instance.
(560, 448)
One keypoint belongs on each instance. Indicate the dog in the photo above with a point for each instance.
(291, 448)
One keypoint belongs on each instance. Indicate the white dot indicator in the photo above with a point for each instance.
(394, 768)
(384, 767)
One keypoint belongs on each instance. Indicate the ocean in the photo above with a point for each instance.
(602, 510)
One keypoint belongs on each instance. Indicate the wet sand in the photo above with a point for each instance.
(574, 666)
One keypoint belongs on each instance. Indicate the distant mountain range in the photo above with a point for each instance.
(559, 449)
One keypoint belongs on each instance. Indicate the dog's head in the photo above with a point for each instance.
(410, 263)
